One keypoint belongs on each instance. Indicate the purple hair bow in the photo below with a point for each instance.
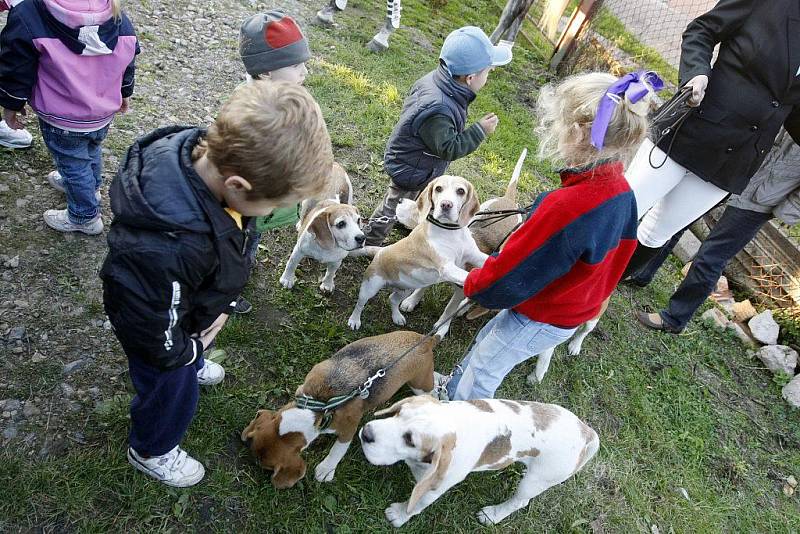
(632, 86)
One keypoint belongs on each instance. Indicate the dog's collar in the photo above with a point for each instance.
(440, 224)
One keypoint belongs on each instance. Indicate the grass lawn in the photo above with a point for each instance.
(694, 435)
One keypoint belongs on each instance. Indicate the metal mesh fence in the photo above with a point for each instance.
(625, 35)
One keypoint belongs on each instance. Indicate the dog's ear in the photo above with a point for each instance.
(289, 473)
(470, 207)
(425, 200)
(441, 455)
(249, 431)
(394, 409)
(321, 229)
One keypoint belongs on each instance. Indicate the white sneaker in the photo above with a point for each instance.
(59, 220)
(11, 138)
(176, 468)
(212, 373)
(57, 181)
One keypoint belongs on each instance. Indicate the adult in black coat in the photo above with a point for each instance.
(740, 105)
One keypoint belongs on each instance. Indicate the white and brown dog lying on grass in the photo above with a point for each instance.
(277, 438)
(444, 442)
(488, 232)
(437, 250)
(329, 231)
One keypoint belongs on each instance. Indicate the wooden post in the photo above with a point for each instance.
(580, 18)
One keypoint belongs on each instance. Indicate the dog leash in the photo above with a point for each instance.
(363, 391)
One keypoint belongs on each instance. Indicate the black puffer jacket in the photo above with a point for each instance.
(176, 258)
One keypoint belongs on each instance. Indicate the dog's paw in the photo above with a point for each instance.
(398, 319)
(574, 348)
(327, 288)
(288, 281)
(354, 322)
(487, 516)
(397, 515)
(323, 473)
(409, 304)
(442, 330)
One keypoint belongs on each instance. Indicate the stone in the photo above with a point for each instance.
(30, 410)
(685, 270)
(687, 247)
(10, 405)
(744, 310)
(17, 333)
(73, 366)
(13, 263)
(778, 358)
(67, 390)
(716, 318)
(38, 357)
(742, 334)
(791, 392)
(10, 432)
(107, 325)
(764, 328)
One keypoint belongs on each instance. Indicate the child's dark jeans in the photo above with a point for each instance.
(78, 158)
(383, 218)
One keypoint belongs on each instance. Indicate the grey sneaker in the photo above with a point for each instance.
(325, 15)
(175, 468)
(57, 182)
(59, 220)
(11, 138)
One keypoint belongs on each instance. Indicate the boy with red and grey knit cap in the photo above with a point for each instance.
(272, 46)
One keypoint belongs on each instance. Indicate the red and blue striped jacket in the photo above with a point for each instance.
(568, 257)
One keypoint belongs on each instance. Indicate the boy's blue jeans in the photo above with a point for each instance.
(508, 339)
(78, 158)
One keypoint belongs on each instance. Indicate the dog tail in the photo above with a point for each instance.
(511, 189)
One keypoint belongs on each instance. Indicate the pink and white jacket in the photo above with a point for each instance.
(70, 60)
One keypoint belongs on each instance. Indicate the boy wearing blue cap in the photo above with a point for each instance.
(431, 131)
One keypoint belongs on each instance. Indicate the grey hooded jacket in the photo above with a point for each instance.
(776, 185)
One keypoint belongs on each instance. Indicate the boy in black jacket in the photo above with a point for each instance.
(431, 131)
(177, 244)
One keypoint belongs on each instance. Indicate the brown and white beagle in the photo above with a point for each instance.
(328, 231)
(443, 442)
(277, 438)
(489, 234)
(437, 250)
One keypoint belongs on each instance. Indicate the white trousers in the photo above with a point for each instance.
(670, 198)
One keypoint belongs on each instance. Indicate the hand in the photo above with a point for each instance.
(126, 105)
(489, 123)
(208, 335)
(14, 119)
(698, 85)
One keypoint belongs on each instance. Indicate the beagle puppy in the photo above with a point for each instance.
(435, 251)
(328, 231)
(444, 442)
(277, 438)
(489, 235)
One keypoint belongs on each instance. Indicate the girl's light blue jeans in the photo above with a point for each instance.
(507, 340)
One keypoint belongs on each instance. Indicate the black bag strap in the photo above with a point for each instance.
(667, 120)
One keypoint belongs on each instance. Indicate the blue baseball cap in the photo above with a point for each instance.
(468, 50)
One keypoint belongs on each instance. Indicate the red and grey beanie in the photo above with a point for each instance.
(270, 41)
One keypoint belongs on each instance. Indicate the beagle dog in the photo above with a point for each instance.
(444, 442)
(437, 250)
(328, 232)
(277, 438)
(573, 348)
(489, 234)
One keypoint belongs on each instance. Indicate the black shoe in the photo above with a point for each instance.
(242, 306)
(633, 282)
(655, 322)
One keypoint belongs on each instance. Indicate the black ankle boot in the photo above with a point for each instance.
(641, 257)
